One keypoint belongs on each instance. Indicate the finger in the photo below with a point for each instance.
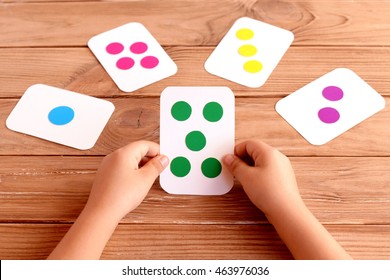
(254, 149)
(140, 149)
(144, 161)
(236, 166)
(154, 167)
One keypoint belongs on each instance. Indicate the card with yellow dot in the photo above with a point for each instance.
(196, 131)
(249, 52)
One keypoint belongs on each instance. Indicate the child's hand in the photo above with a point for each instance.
(122, 182)
(265, 174)
(269, 181)
(125, 177)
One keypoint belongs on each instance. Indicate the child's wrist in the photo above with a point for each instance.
(281, 212)
(106, 216)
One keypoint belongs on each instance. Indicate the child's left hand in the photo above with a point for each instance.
(125, 177)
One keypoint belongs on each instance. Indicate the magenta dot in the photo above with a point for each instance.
(149, 62)
(125, 63)
(114, 48)
(333, 93)
(138, 48)
(328, 115)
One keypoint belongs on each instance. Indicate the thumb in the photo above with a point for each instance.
(236, 166)
(155, 166)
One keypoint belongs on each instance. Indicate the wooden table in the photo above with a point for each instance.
(43, 185)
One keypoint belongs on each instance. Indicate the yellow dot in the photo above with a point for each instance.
(253, 66)
(244, 34)
(247, 50)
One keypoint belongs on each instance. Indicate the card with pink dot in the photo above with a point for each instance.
(196, 131)
(132, 56)
(330, 105)
(249, 52)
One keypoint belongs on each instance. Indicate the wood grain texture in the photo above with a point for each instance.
(44, 186)
(36, 241)
(138, 118)
(78, 70)
(195, 23)
(35, 189)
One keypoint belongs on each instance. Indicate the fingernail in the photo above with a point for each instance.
(164, 161)
(228, 159)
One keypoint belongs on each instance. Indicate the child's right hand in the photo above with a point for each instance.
(269, 181)
(266, 176)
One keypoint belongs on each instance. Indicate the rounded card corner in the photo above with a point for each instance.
(174, 69)
(90, 42)
(35, 86)
(164, 92)
(85, 148)
(244, 18)
(228, 89)
(277, 105)
(8, 123)
(163, 188)
(125, 89)
(135, 23)
(383, 102)
(112, 106)
(226, 192)
(206, 66)
(257, 85)
(292, 35)
(228, 189)
(344, 69)
(317, 143)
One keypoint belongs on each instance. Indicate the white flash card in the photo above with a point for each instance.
(132, 56)
(196, 131)
(330, 105)
(249, 52)
(65, 117)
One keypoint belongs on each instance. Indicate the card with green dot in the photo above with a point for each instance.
(196, 131)
(249, 52)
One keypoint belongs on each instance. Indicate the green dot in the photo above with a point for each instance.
(211, 167)
(181, 111)
(180, 166)
(253, 66)
(212, 111)
(195, 140)
(245, 34)
(247, 50)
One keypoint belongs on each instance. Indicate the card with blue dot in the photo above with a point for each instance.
(330, 105)
(249, 52)
(196, 131)
(61, 116)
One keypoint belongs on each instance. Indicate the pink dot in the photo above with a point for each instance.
(333, 93)
(328, 115)
(114, 48)
(125, 63)
(149, 62)
(138, 48)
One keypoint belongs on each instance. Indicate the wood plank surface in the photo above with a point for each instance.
(35, 189)
(195, 23)
(35, 241)
(44, 186)
(138, 118)
(78, 70)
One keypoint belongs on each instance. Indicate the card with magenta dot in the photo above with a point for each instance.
(330, 105)
(132, 56)
(249, 52)
(196, 131)
(61, 116)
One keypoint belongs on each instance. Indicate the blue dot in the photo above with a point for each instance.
(61, 115)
